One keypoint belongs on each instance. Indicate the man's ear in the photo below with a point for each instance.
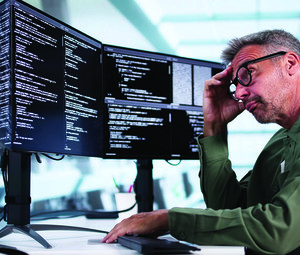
(292, 62)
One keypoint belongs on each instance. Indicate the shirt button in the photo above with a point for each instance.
(182, 236)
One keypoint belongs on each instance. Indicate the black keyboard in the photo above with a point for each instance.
(148, 245)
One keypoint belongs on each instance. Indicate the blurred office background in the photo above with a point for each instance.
(190, 28)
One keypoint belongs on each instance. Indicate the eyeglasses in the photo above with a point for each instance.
(243, 74)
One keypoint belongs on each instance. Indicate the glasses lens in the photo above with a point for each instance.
(244, 76)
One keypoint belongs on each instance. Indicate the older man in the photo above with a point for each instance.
(262, 211)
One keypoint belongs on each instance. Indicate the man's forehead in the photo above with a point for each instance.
(245, 54)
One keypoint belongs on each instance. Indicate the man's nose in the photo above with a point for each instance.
(241, 92)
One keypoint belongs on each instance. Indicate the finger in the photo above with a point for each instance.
(112, 235)
(224, 74)
(106, 238)
(220, 78)
(110, 239)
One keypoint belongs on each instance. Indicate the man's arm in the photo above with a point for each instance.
(218, 181)
(219, 184)
(218, 106)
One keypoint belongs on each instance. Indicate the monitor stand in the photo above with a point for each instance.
(143, 185)
(18, 200)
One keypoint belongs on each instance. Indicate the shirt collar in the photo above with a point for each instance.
(294, 132)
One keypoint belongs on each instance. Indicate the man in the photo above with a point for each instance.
(262, 211)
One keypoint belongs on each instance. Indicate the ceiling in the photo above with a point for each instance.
(202, 28)
(191, 28)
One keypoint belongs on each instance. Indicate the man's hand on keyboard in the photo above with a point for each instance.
(152, 224)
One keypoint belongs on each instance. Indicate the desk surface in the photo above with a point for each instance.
(77, 242)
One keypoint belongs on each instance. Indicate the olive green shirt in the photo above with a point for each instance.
(261, 212)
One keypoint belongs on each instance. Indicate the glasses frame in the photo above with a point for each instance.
(237, 80)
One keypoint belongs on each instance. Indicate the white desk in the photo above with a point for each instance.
(74, 242)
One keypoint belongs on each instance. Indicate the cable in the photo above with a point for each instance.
(4, 164)
(66, 214)
(172, 163)
(4, 249)
(38, 159)
(53, 158)
(3, 211)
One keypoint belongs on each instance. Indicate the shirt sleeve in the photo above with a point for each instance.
(272, 228)
(218, 181)
(268, 228)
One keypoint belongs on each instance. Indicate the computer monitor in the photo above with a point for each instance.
(152, 103)
(51, 84)
(50, 100)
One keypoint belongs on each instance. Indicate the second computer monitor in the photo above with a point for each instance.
(152, 103)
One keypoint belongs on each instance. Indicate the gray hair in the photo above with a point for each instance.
(271, 40)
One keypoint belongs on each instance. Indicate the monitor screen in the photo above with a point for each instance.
(51, 84)
(64, 92)
(152, 103)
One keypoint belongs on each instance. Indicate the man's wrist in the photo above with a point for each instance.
(211, 130)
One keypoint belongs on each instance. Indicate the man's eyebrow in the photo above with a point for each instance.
(247, 62)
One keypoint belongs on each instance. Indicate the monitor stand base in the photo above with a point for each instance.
(30, 230)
